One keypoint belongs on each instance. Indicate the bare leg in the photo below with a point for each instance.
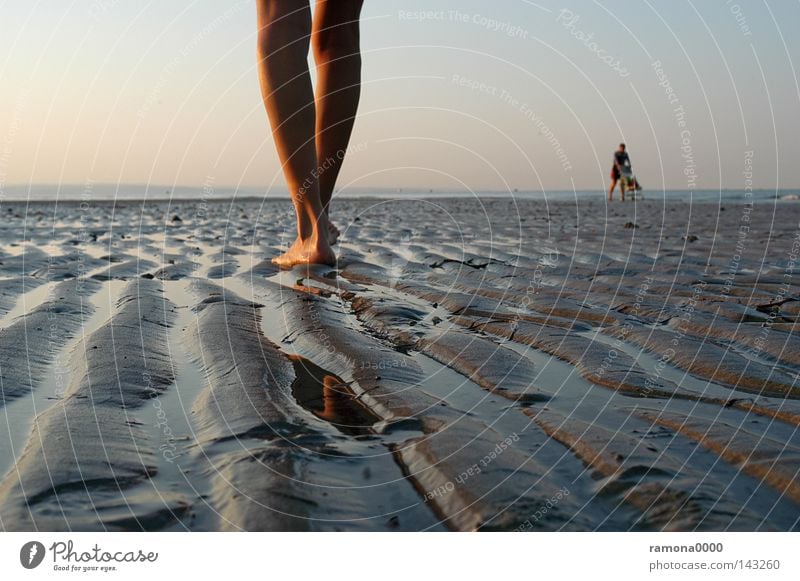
(337, 54)
(611, 190)
(622, 189)
(283, 42)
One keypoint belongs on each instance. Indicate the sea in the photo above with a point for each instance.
(136, 192)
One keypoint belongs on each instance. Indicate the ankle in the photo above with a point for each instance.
(315, 238)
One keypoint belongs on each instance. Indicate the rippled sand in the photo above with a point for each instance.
(468, 365)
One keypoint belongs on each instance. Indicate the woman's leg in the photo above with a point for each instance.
(611, 189)
(337, 54)
(283, 41)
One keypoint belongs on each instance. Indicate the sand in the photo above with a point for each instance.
(468, 365)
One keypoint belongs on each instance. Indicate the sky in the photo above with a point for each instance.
(457, 94)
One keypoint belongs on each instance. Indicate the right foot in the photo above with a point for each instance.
(309, 251)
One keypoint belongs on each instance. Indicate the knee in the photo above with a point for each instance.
(282, 21)
(340, 41)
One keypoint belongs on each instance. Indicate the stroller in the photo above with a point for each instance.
(630, 184)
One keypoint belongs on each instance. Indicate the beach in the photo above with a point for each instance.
(469, 364)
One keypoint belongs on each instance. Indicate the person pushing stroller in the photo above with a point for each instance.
(622, 172)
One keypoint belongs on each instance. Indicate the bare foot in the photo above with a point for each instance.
(309, 251)
(333, 233)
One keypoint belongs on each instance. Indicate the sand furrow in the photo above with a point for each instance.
(760, 340)
(501, 371)
(728, 311)
(25, 263)
(773, 462)
(175, 270)
(87, 450)
(246, 374)
(69, 266)
(527, 294)
(438, 447)
(273, 434)
(643, 474)
(224, 269)
(124, 270)
(31, 342)
(598, 363)
(13, 288)
(458, 303)
(710, 361)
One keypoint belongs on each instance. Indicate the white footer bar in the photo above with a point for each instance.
(399, 556)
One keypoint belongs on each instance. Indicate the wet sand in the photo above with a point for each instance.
(468, 365)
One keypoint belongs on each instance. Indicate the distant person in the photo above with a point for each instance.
(308, 129)
(622, 165)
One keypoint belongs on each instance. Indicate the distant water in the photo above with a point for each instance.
(128, 192)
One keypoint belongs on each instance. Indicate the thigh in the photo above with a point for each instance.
(282, 12)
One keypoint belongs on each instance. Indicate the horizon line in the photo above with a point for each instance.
(371, 188)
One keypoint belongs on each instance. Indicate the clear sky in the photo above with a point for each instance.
(474, 95)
